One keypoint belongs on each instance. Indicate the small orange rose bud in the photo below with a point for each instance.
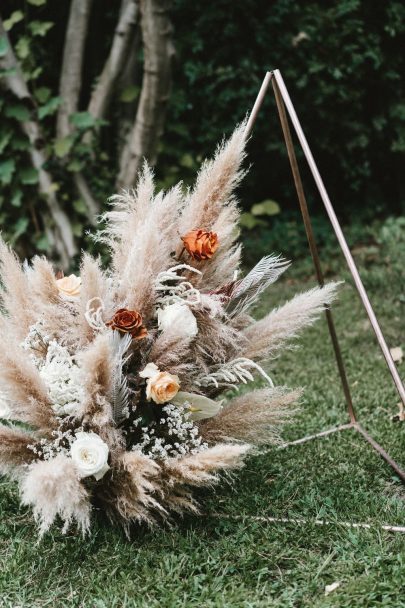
(128, 322)
(200, 244)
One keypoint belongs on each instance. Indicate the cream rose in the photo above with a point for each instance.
(90, 454)
(69, 286)
(179, 319)
(161, 387)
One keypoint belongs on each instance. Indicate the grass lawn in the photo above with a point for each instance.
(221, 562)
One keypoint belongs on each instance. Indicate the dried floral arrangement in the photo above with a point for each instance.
(118, 386)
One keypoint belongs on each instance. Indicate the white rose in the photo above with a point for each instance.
(178, 319)
(90, 454)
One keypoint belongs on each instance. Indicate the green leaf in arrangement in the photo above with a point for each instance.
(63, 146)
(3, 46)
(40, 28)
(17, 111)
(7, 168)
(49, 108)
(14, 18)
(29, 176)
(36, 2)
(83, 120)
(129, 94)
(267, 207)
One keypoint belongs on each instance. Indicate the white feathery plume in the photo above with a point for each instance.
(232, 373)
(247, 291)
(120, 393)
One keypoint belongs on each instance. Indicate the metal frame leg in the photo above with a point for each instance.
(283, 101)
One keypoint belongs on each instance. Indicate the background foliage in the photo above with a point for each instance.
(342, 62)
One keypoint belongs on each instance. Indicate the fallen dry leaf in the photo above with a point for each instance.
(331, 587)
(397, 354)
(400, 417)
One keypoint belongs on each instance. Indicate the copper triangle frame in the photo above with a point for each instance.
(284, 106)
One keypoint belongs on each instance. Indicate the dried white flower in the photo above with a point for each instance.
(178, 319)
(63, 379)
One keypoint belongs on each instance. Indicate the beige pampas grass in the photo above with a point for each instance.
(266, 337)
(52, 488)
(15, 293)
(254, 417)
(211, 201)
(14, 451)
(30, 401)
(127, 376)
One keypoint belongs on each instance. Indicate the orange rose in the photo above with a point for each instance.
(128, 322)
(200, 244)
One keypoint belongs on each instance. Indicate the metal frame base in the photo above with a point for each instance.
(284, 105)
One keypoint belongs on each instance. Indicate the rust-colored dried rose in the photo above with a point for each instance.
(128, 322)
(200, 244)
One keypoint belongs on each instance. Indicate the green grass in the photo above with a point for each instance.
(220, 562)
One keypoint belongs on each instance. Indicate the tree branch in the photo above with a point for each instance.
(156, 84)
(102, 93)
(14, 81)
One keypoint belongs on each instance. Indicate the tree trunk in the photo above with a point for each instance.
(69, 88)
(102, 93)
(149, 121)
(63, 240)
(71, 74)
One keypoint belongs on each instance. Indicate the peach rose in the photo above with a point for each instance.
(128, 322)
(200, 244)
(69, 286)
(161, 387)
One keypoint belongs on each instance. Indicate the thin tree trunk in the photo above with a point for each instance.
(128, 78)
(14, 81)
(72, 63)
(103, 91)
(148, 126)
(69, 88)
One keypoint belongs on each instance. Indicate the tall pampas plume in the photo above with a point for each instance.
(120, 388)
